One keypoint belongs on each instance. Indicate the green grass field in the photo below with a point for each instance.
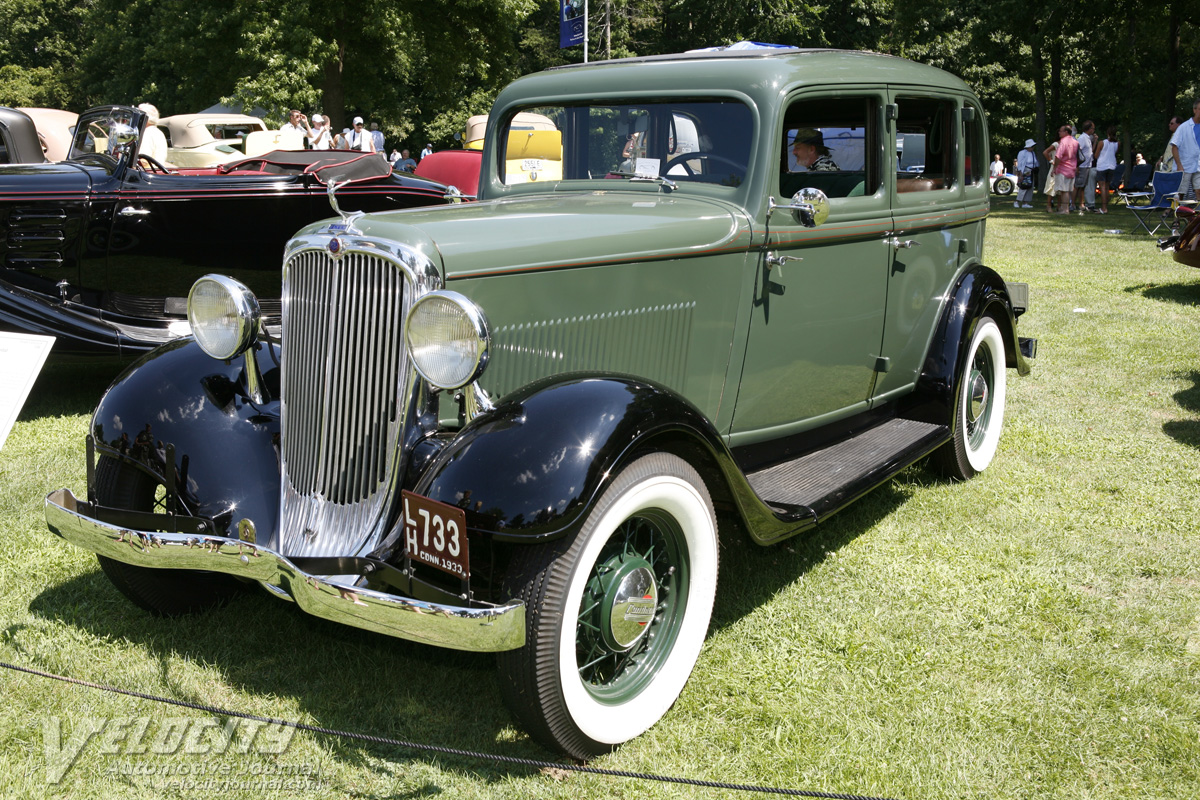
(1033, 633)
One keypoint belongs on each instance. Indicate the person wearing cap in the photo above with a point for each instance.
(808, 146)
(154, 142)
(320, 137)
(1027, 166)
(360, 139)
(428, 151)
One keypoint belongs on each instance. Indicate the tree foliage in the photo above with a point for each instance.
(420, 69)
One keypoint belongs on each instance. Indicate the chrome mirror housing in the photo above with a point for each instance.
(810, 206)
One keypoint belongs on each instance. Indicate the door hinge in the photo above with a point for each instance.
(882, 363)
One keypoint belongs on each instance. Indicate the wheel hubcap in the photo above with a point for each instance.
(979, 398)
(631, 608)
(977, 403)
(629, 605)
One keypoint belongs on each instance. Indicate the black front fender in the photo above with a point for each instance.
(226, 446)
(530, 469)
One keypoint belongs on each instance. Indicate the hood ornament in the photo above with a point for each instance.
(348, 218)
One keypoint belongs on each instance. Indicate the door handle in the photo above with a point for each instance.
(899, 244)
(130, 211)
(774, 260)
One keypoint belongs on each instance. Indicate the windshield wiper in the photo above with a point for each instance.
(666, 183)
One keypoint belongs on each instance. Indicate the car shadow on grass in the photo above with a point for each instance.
(337, 677)
(1185, 294)
(69, 385)
(751, 574)
(1186, 431)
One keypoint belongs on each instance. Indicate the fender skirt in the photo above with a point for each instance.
(225, 445)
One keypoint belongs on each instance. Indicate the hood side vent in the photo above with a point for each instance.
(36, 238)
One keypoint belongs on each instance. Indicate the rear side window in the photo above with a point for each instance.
(975, 163)
(926, 133)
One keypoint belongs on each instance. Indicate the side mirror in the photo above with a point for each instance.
(810, 206)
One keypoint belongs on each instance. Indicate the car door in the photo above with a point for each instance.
(170, 229)
(817, 323)
(939, 203)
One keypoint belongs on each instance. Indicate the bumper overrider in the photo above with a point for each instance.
(480, 629)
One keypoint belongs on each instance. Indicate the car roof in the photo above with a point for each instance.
(188, 130)
(759, 73)
(57, 126)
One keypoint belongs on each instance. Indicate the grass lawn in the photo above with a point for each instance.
(1033, 633)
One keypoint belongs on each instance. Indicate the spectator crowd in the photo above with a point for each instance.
(1082, 166)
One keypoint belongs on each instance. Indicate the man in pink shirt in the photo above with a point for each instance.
(1066, 164)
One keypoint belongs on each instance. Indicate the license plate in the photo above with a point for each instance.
(531, 165)
(436, 534)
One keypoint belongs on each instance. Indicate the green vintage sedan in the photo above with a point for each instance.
(744, 285)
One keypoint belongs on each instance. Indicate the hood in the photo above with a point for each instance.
(24, 180)
(547, 231)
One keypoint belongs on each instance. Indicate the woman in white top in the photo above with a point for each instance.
(320, 138)
(1106, 164)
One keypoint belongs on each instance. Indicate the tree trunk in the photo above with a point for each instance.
(1172, 76)
(1039, 98)
(1127, 106)
(333, 91)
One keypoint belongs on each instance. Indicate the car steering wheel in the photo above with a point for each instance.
(154, 163)
(683, 158)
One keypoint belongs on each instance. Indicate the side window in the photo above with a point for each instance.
(925, 144)
(975, 163)
(831, 144)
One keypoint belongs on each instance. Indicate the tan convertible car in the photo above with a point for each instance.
(205, 140)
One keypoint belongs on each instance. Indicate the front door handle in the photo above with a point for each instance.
(775, 260)
(130, 211)
(901, 244)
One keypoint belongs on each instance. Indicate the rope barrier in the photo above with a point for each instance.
(430, 748)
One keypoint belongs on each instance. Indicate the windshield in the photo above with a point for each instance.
(686, 141)
(106, 133)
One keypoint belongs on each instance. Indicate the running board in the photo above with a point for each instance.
(822, 482)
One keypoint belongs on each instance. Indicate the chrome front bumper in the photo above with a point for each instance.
(488, 629)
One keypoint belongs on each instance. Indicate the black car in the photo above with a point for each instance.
(18, 138)
(100, 250)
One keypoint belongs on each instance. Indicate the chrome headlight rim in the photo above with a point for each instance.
(477, 321)
(246, 316)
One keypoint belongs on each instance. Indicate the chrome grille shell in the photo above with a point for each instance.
(348, 389)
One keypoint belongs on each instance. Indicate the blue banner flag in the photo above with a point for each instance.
(570, 22)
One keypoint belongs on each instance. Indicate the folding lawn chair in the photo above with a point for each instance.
(1135, 191)
(1166, 189)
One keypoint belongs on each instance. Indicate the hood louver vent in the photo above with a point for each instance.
(36, 238)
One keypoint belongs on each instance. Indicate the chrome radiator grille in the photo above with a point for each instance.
(343, 392)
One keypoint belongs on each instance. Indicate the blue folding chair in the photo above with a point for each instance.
(1135, 190)
(1165, 189)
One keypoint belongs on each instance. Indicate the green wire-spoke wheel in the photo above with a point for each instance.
(617, 614)
(979, 405)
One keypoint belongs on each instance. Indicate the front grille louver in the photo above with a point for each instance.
(344, 388)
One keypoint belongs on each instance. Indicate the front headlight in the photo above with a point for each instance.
(224, 316)
(448, 339)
